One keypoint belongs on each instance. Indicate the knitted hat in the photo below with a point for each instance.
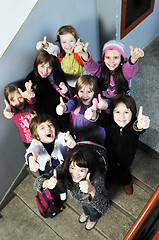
(113, 44)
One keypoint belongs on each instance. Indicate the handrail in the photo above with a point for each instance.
(151, 204)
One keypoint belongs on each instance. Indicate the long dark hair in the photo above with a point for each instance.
(83, 156)
(121, 83)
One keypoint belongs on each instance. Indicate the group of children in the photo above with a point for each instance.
(70, 98)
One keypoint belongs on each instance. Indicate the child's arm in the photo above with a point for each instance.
(61, 108)
(70, 142)
(49, 47)
(82, 50)
(7, 111)
(135, 54)
(29, 93)
(143, 122)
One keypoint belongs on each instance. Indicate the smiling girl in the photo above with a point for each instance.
(114, 71)
(20, 107)
(83, 176)
(48, 147)
(70, 61)
(81, 128)
(122, 138)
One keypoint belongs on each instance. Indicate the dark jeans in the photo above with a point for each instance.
(93, 214)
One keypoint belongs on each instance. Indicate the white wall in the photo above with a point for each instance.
(17, 62)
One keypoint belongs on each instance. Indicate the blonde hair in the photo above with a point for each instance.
(87, 80)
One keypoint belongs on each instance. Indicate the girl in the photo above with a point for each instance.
(49, 84)
(82, 175)
(114, 72)
(48, 147)
(81, 126)
(20, 107)
(70, 61)
(122, 138)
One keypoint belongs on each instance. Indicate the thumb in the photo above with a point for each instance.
(131, 49)
(88, 177)
(78, 40)
(140, 112)
(61, 100)
(34, 155)
(99, 97)
(20, 91)
(94, 107)
(67, 135)
(6, 103)
(55, 174)
(44, 41)
(86, 46)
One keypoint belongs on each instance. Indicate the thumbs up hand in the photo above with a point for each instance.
(86, 186)
(42, 44)
(63, 87)
(7, 112)
(29, 93)
(102, 104)
(143, 121)
(136, 54)
(70, 142)
(61, 108)
(51, 183)
(91, 112)
(33, 164)
(81, 49)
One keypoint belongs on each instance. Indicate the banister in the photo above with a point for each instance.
(151, 204)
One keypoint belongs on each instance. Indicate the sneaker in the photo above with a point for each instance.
(90, 225)
(128, 189)
(83, 218)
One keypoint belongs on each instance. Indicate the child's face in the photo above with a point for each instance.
(44, 69)
(77, 173)
(16, 100)
(112, 59)
(86, 94)
(46, 132)
(67, 42)
(122, 115)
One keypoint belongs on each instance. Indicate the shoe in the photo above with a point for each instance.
(83, 218)
(128, 189)
(90, 225)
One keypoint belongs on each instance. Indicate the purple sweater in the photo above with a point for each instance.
(83, 129)
(95, 68)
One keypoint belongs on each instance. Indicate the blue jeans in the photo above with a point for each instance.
(93, 214)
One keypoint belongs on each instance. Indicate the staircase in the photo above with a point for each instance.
(22, 221)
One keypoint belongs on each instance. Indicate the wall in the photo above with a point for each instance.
(17, 62)
(143, 33)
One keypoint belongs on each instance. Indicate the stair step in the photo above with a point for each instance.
(145, 170)
(20, 222)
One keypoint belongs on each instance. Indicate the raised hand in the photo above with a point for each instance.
(135, 54)
(91, 112)
(102, 104)
(86, 186)
(143, 121)
(7, 111)
(42, 44)
(63, 87)
(33, 164)
(81, 49)
(51, 183)
(61, 108)
(29, 93)
(70, 142)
